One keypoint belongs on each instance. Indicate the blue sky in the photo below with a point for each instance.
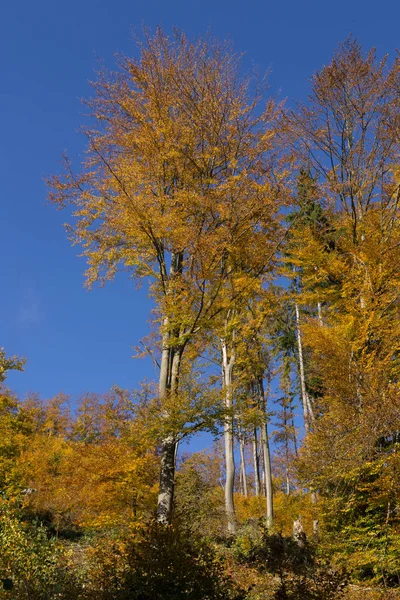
(76, 340)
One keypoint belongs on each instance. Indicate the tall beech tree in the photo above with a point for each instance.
(310, 221)
(176, 180)
(349, 131)
(228, 352)
(349, 135)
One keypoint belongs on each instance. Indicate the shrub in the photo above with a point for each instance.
(32, 566)
(301, 574)
(164, 564)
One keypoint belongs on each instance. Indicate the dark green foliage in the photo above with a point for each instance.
(310, 211)
(283, 330)
(7, 584)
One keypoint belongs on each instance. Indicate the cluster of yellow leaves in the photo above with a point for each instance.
(178, 186)
(95, 471)
(91, 485)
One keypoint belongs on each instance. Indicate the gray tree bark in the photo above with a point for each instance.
(171, 356)
(305, 400)
(256, 463)
(320, 319)
(266, 458)
(168, 383)
(243, 475)
(227, 373)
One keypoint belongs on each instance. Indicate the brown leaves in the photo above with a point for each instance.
(349, 131)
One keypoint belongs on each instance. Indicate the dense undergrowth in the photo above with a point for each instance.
(67, 531)
(173, 563)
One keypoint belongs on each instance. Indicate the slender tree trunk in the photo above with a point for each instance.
(263, 487)
(305, 400)
(287, 482)
(320, 319)
(285, 425)
(266, 458)
(256, 463)
(307, 407)
(167, 479)
(267, 475)
(227, 372)
(243, 475)
(314, 495)
(296, 451)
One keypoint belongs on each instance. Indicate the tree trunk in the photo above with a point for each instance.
(167, 480)
(296, 451)
(307, 407)
(320, 319)
(169, 376)
(266, 459)
(263, 491)
(286, 456)
(256, 463)
(305, 400)
(243, 475)
(314, 500)
(314, 496)
(268, 475)
(171, 357)
(227, 371)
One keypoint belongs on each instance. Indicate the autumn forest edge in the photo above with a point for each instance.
(268, 238)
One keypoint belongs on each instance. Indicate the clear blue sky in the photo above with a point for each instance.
(77, 340)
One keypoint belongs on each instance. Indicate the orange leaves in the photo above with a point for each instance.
(98, 469)
(90, 485)
(177, 164)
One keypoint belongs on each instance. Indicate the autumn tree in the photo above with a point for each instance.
(177, 178)
(349, 135)
(199, 499)
(310, 223)
(92, 472)
(351, 454)
(9, 363)
(349, 131)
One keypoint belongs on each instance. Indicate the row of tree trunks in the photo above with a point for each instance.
(261, 472)
(168, 383)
